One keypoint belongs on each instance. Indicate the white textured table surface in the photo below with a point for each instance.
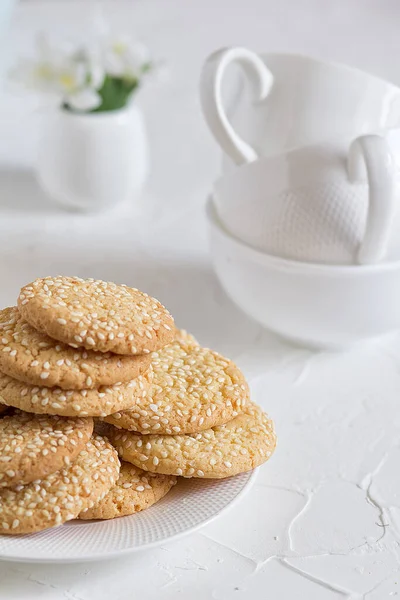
(323, 519)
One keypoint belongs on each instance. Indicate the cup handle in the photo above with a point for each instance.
(211, 98)
(371, 154)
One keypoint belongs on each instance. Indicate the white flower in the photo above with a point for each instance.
(75, 77)
(90, 57)
(125, 58)
(79, 79)
(38, 74)
(77, 87)
(84, 100)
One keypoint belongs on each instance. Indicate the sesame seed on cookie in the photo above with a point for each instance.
(73, 403)
(33, 357)
(193, 389)
(96, 315)
(134, 491)
(33, 446)
(238, 446)
(61, 496)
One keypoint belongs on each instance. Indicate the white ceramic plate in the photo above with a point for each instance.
(189, 505)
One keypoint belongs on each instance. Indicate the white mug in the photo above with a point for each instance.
(293, 101)
(320, 204)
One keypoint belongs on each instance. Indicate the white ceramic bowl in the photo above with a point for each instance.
(319, 305)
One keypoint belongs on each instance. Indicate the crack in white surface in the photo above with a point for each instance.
(296, 517)
(384, 515)
(72, 596)
(172, 578)
(374, 502)
(30, 577)
(284, 489)
(337, 533)
(367, 479)
(33, 579)
(371, 569)
(196, 567)
(247, 558)
(316, 580)
(375, 587)
(67, 594)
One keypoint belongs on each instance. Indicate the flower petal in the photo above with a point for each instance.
(124, 57)
(84, 100)
(71, 77)
(37, 76)
(96, 73)
(113, 64)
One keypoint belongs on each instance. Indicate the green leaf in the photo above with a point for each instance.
(115, 93)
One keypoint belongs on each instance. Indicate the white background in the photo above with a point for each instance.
(323, 520)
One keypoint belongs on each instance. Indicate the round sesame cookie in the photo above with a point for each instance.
(73, 403)
(238, 446)
(61, 496)
(96, 315)
(134, 491)
(193, 389)
(33, 446)
(34, 357)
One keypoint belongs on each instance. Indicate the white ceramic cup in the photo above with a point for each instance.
(292, 101)
(319, 305)
(321, 204)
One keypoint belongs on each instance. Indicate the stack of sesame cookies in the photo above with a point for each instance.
(71, 350)
(78, 347)
(81, 354)
(50, 470)
(196, 419)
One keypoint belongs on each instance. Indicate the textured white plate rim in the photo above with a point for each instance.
(116, 553)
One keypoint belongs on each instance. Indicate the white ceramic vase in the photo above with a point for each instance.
(93, 161)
